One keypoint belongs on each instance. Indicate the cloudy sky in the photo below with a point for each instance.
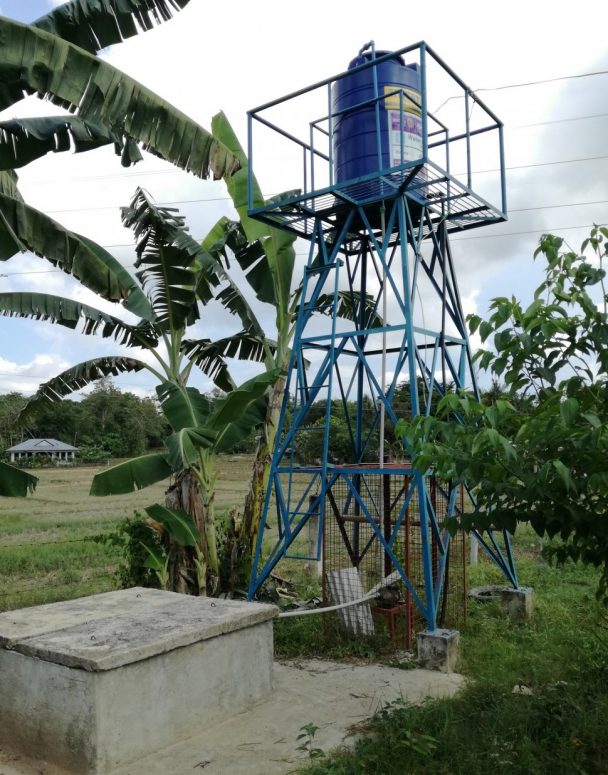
(236, 55)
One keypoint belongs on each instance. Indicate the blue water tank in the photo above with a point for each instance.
(355, 133)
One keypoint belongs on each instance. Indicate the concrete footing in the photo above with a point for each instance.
(438, 650)
(98, 682)
(518, 603)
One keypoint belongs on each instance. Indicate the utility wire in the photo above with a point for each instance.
(226, 198)
(530, 231)
(542, 81)
(523, 84)
(543, 230)
(556, 121)
(172, 171)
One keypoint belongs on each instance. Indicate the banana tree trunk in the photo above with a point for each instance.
(185, 493)
(254, 502)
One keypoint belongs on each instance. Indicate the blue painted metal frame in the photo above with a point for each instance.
(346, 243)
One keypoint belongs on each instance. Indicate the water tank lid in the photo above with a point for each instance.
(363, 59)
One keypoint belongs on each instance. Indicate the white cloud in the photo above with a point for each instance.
(25, 377)
(200, 73)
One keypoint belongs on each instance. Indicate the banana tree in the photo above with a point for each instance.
(163, 294)
(55, 59)
(267, 256)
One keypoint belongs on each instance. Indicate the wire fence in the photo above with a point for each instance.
(82, 579)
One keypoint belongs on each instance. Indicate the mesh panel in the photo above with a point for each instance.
(351, 541)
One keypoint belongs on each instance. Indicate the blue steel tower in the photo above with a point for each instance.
(384, 182)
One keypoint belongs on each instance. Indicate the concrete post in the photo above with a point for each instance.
(473, 550)
(518, 603)
(314, 567)
(438, 649)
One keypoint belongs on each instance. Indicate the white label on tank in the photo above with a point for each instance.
(404, 124)
(404, 137)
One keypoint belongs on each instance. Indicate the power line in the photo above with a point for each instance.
(227, 198)
(551, 230)
(161, 204)
(172, 171)
(542, 81)
(540, 164)
(488, 236)
(553, 207)
(556, 121)
(524, 84)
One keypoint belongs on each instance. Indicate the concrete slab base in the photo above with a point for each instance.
(518, 603)
(438, 650)
(91, 684)
(262, 741)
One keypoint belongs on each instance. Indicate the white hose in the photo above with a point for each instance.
(394, 576)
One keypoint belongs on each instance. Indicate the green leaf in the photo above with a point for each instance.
(156, 561)
(242, 410)
(76, 378)
(485, 329)
(232, 407)
(66, 312)
(8, 185)
(210, 356)
(183, 407)
(134, 474)
(177, 523)
(240, 428)
(277, 245)
(184, 445)
(564, 475)
(165, 259)
(474, 321)
(94, 25)
(24, 139)
(25, 228)
(33, 61)
(592, 419)
(569, 410)
(15, 483)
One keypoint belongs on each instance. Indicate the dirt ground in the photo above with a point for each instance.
(335, 696)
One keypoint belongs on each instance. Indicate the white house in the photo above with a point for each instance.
(55, 450)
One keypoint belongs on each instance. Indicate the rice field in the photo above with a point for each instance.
(46, 547)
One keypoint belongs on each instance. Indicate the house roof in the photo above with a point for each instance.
(42, 445)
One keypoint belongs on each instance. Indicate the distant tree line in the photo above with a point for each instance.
(309, 448)
(105, 423)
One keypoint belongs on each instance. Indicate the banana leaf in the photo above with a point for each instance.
(96, 24)
(184, 445)
(178, 523)
(33, 61)
(184, 407)
(66, 312)
(134, 474)
(235, 416)
(22, 140)
(274, 254)
(226, 234)
(15, 483)
(25, 228)
(165, 258)
(210, 356)
(349, 307)
(76, 378)
(8, 184)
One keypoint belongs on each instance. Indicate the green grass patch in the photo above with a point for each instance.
(536, 699)
(45, 554)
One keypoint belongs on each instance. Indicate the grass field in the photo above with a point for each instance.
(45, 549)
(537, 696)
(536, 701)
